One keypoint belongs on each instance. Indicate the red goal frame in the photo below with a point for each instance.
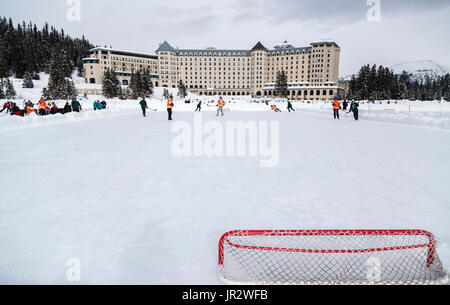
(431, 245)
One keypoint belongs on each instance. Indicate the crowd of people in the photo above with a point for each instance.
(47, 108)
(40, 108)
(337, 107)
(99, 105)
(336, 104)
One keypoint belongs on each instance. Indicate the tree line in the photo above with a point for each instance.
(25, 48)
(381, 83)
(140, 85)
(25, 51)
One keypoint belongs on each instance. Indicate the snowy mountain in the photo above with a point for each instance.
(421, 70)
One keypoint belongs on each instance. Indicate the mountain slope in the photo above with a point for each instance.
(421, 70)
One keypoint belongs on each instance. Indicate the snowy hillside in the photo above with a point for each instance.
(421, 70)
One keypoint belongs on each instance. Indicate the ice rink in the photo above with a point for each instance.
(110, 192)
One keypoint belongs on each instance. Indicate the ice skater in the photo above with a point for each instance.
(170, 107)
(344, 105)
(221, 104)
(289, 108)
(144, 107)
(336, 107)
(275, 108)
(199, 107)
(354, 107)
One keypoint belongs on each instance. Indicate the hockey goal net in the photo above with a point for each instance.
(330, 257)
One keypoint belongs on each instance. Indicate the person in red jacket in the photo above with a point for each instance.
(7, 107)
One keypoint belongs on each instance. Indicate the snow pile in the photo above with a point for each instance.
(8, 122)
(423, 114)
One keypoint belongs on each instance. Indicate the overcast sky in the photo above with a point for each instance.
(409, 30)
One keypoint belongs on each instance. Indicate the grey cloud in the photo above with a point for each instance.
(333, 12)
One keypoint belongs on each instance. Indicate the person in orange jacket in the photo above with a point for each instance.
(29, 109)
(42, 108)
(221, 104)
(336, 108)
(170, 107)
(275, 108)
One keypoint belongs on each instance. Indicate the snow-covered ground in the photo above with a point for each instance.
(104, 187)
(425, 114)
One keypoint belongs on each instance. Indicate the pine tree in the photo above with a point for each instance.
(147, 85)
(26, 48)
(125, 94)
(111, 85)
(2, 92)
(59, 69)
(3, 63)
(28, 80)
(181, 89)
(135, 84)
(72, 90)
(45, 95)
(281, 86)
(9, 90)
(166, 93)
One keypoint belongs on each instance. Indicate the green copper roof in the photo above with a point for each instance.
(259, 47)
(165, 47)
(208, 52)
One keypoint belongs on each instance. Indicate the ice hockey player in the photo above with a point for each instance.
(345, 105)
(199, 107)
(170, 107)
(354, 107)
(76, 106)
(144, 107)
(336, 107)
(289, 108)
(221, 104)
(275, 108)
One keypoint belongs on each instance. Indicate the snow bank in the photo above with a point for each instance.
(8, 122)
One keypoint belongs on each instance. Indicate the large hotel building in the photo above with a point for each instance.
(312, 71)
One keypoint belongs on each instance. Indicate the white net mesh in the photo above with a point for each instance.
(330, 257)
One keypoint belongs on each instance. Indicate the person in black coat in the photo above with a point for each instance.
(144, 107)
(354, 107)
(67, 108)
(290, 107)
(199, 107)
(345, 105)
